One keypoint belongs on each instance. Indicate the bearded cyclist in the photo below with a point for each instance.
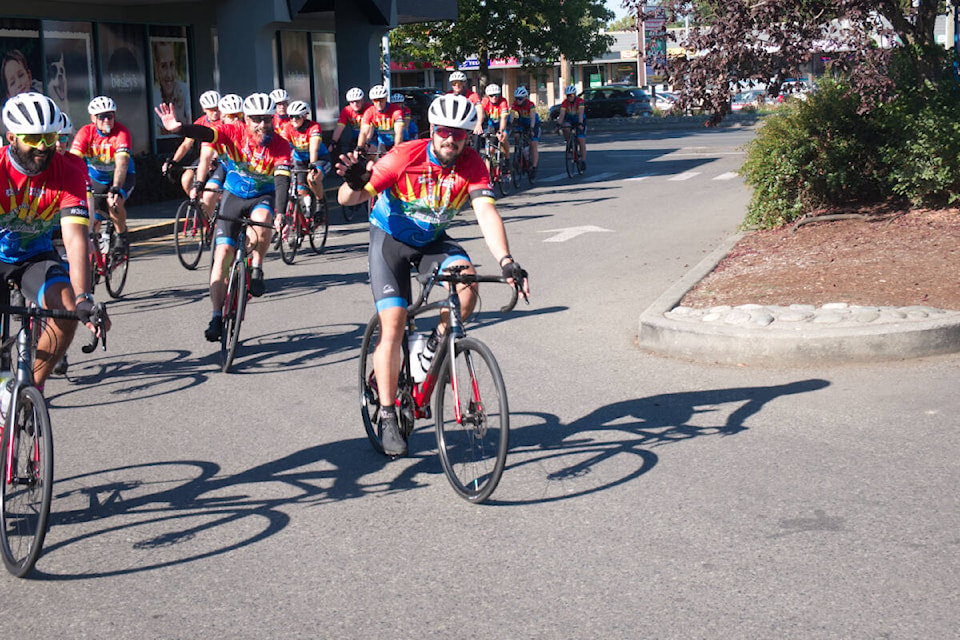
(38, 179)
(422, 185)
(382, 124)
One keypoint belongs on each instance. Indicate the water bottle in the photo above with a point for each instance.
(416, 343)
(6, 393)
(104, 239)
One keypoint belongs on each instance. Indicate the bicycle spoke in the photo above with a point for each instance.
(472, 421)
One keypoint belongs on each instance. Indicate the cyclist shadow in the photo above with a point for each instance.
(182, 511)
(559, 461)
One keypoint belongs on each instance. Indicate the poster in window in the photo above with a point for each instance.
(20, 62)
(325, 79)
(171, 79)
(68, 55)
(296, 77)
(124, 78)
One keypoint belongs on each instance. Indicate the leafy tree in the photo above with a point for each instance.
(534, 31)
(768, 41)
(623, 23)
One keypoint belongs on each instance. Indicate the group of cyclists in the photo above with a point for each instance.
(249, 150)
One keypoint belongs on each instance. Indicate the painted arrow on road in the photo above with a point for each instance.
(572, 232)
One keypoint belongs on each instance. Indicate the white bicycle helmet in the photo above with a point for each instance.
(231, 104)
(31, 112)
(209, 99)
(259, 104)
(458, 76)
(280, 95)
(492, 90)
(355, 95)
(572, 89)
(298, 108)
(454, 111)
(378, 92)
(101, 104)
(398, 98)
(66, 125)
(521, 93)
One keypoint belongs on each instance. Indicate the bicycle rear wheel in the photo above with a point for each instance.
(472, 420)
(500, 170)
(26, 497)
(189, 234)
(319, 226)
(118, 261)
(516, 168)
(234, 306)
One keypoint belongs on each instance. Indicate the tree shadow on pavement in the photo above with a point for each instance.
(555, 461)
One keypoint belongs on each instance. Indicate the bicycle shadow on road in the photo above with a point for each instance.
(553, 461)
(138, 518)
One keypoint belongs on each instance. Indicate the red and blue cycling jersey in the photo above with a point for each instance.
(524, 114)
(382, 123)
(100, 151)
(250, 168)
(420, 197)
(572, 109)
(350, 118)
(493, 112)
(31, 206)
(299, 140)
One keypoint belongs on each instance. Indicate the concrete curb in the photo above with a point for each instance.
(796, 345)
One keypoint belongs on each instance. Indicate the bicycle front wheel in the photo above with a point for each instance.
(319, 226)
(234, 307)
(570, 157)
(26, 481)
(501, 172)
(118, 261)
(472, 420)
(188, 234)
(290, 234)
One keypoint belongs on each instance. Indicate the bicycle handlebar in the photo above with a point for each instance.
(97, 318)
(470, 278)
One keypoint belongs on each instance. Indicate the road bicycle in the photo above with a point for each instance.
(299, 222)
(470, 412)
(109, 258)
(26, 438)
(571, 155)
(238, 292)
(521, 164)
(498, 163)
(193, 231)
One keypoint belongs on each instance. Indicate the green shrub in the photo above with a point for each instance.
(810, 154)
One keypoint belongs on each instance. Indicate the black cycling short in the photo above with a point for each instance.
(99, 188)
(35, 276)
(232, 210)
(391, 260)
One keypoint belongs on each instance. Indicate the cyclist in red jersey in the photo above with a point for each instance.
(106, 146)
(495, 115)
(573, 115)
(350, 117)
(458, 87)
(382, 124)
(525, 119)
(257, 163)
(422, 185)
(280, 99)
(186, 153)
(309, 151)
(43, 189)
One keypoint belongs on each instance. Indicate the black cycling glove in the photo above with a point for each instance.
(513, 270)
(85, 309)
(356, 176)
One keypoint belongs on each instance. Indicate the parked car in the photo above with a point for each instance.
(418, 100)
(665, 101)
(612, 100)
(751, 98)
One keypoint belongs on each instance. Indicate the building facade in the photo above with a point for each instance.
(142, 52)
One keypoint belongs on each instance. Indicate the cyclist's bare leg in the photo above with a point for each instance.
(219, 272)
(534, 153)
(387, 355)
(186, 180)
(57, 334)
(259, 236)
(208, 202)
(118, 212)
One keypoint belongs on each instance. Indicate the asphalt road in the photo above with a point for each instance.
(644, 497)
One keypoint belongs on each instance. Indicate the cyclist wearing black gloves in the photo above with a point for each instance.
(422, 184)
(40, 180)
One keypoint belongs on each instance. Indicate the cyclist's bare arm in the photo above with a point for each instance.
(74, 235)
(203, 167)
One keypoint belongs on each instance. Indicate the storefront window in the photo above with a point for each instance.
(295, 64)
(123, 78)
(170, 74)
(325, 79)
(68, 56)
